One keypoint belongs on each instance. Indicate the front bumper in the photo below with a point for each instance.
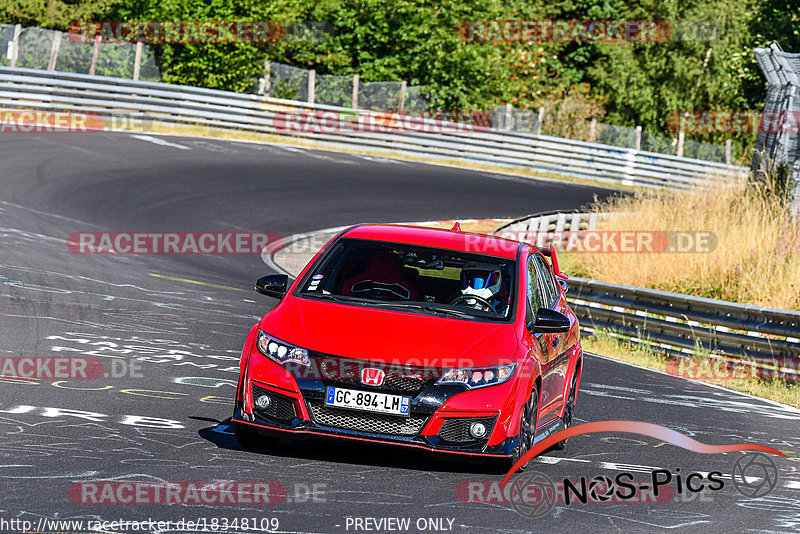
(306, 428)
(439, 415)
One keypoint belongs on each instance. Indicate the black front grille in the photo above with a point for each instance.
(281, 407)
(404, 385)
(365, 422)
(456, 430)
(405, 379)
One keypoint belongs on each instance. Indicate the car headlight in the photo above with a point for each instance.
(281, 352)
(478, 377)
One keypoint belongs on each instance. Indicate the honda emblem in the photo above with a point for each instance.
(372, 377)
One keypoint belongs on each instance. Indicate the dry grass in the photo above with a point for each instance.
(756, 259)
(786, 392)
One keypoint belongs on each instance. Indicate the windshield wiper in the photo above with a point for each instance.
(427, 307)
(337, 298)
(403, 305)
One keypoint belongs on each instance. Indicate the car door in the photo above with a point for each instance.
(557, 343)
(551, 343)
(537, 298)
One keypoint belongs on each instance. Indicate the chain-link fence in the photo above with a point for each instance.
(379, 96)
(417, 99)
(608, 134)
(149, 71)
(705, 151)
(6, 44)
(292, 83)
(663, 145)
(625, 137)
(287, 82)
(334, 90)
(36, 48)
(75, 56)
(777, 152)
(517, 120)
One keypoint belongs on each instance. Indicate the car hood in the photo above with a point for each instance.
(388, 335)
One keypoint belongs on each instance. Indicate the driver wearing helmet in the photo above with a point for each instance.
(482, 281)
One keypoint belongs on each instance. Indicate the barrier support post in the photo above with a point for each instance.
(51, 66)
(401, 107)
(15, 45)
(137, 61)
(95, 55)
(540, 121)
(312, 85)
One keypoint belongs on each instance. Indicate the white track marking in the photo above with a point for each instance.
(767, 401)
(159, 141)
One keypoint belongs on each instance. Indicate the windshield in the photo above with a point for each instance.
(413, 278)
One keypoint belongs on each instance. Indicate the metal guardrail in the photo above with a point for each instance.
(677, 324)
(539, 229)
(684, 324)
(174, 104)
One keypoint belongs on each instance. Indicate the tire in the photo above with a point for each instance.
(528, 421)
(569, 410)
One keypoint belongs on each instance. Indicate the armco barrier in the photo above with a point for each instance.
(684, 324)
(677, 324)
(536, 228)
(174, 104)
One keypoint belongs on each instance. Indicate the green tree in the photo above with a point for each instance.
(53, 14)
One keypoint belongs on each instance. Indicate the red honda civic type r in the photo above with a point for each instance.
(436, 339)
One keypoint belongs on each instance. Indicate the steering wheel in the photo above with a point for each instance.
(380, 289)
(463, 298)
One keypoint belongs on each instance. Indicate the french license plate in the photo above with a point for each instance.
(368, 401)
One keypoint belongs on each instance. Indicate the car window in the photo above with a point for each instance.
(535, 297)
(548, 281)
(414, 278)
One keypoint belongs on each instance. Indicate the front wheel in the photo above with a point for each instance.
(528, 421)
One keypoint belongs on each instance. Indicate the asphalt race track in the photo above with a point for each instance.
(171, 327)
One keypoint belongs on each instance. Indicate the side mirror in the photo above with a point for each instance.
(548, 322)
(563, 285)
(273, 285)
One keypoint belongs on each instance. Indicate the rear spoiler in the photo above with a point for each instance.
(551, 253)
